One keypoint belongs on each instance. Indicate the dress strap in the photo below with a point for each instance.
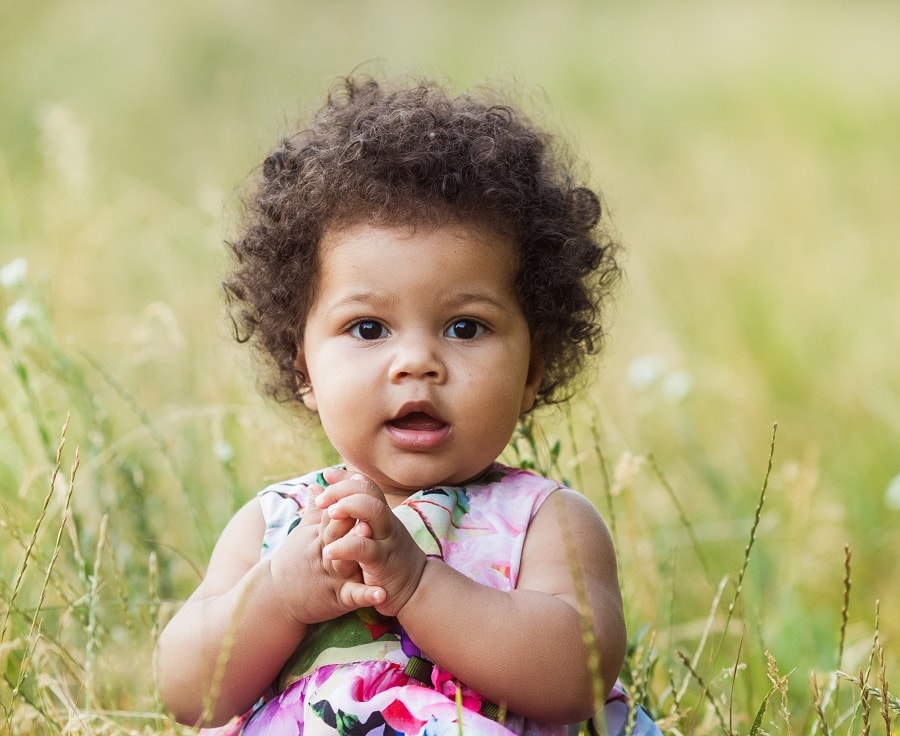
(421, 669)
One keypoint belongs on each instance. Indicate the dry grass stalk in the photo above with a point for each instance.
(817, 703)
(779, 684)
(679, 695)
(754, 527)
(607, 480)
(29, 549)
(708, 696)
(885, 694)
(34, 634)
(865, 705)
(92, 627)
(682, 515)
(845, 607)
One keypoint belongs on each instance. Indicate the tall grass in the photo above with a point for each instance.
(749, 157)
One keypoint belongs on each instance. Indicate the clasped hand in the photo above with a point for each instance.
(349, 551)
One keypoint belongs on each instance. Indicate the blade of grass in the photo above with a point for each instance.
(706, 694)
(92, 626)
(607, 482)
(703, 638)
(747, 550)
(682, 516)
(761, 712)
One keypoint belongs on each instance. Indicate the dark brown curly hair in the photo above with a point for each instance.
(418, 155)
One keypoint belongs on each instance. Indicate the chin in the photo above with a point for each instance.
(417, 481)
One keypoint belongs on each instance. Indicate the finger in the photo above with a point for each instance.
(334, 529)
(335, 475)
(353, 547)
(359, 595)
(345, 568)
(348, 486)
(375, 512)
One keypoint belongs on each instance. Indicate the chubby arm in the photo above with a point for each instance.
(235, 615)
(525, 648)
(226, 645)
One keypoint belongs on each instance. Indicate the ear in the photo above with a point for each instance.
(304, 384)
(532, 382)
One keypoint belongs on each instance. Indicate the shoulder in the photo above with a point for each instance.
(573, 511)
(569, 527)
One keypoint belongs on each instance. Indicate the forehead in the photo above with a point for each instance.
(432, 243)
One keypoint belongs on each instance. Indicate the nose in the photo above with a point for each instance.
(418, 356)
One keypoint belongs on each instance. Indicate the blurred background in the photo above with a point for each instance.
(748, 155)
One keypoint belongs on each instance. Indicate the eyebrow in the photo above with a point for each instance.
(363, 299)
(376, 299)
(464, 298)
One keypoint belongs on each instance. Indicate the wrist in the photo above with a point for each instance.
(278, 587)
(411, 593)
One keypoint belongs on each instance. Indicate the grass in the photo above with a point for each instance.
(749, 157)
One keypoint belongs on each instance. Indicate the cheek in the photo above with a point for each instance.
(498, 400)
(344, 399)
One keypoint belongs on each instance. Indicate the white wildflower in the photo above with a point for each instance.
(13, 273)
(892, 494)
(224, 451)
(20, 311)
(677, 385)
(643, 372)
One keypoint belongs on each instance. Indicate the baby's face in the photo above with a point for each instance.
(417, 352)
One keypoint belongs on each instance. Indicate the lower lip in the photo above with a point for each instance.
(418, 439)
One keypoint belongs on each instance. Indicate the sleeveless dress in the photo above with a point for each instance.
(361, 674)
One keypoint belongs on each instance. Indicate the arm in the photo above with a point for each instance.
(524, 648)
(226, 645)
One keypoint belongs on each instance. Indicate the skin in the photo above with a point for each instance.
(419, 363)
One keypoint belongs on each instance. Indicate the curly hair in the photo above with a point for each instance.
(418, 155)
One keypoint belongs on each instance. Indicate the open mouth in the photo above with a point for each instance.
(418, 421)
(416, 428)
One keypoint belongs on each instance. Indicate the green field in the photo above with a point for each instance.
(749, 155)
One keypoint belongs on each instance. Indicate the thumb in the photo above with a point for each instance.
(359, 595)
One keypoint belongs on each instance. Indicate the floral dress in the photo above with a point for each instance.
(361, 674)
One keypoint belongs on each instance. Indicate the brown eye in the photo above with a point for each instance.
(368, 329)
(465, 329)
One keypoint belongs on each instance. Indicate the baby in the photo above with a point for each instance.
(420, 270)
